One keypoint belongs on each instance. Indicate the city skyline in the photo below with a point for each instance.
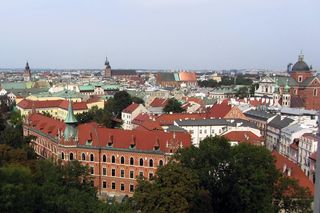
(158, 34)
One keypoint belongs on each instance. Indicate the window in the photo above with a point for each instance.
(141, 162)
(150, 176)
(83, 156)
(141, 174)
(300, 78)
(131, 187)
(160, 162)
(104, 158)
(315, 92)
(150, 163)
(104, 184)
(131, 161)
(91, 170)
(121, 173)
(122, 187)
(122, 160)
(91, 157)
(113, 185)
(113, 172)
(200, 131)
(113, 159)
(71, 156)
(62, 155)
(131, 174)
(104, 171)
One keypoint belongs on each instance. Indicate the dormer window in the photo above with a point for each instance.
(133, 142)
(157, 145)
(110, 142)
(300, 78)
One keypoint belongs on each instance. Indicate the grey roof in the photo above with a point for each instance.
(123, 72)
(279, 123)
(166, 76)
(295, 111)
(307, 81)
(202, 122)
(174, 128)
(241, 122)
(262, 115)
(292, 128)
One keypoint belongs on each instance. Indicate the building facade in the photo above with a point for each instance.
(114, 157)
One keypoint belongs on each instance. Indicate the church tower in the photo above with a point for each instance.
(286, 97)
(107, 69)
(27, 73)
(71, 130)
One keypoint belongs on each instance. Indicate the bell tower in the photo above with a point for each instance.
(107, 69)
(27, 73)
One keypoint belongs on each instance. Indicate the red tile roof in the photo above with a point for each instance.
(131, 108)
(187, 76)
(244, 136)
(47, 125)
(168, 119)
(149, 125)
(296, 172)
(220, 110)
(75, 105)
(141, 118)
(63, 104)
(159, 102)
(195, 100)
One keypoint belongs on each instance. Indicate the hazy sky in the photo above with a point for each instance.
(165, 34)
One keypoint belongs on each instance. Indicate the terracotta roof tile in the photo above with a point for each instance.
(159, 102)
(220, 110)
(244, 136)
(131, 108)
(168, 119)
(296, 172)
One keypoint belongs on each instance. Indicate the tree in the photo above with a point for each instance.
(137, 100)
(173, 189)
(16, 118)
(118, 103)
(173, 105)
(243, 92)
(290, 197)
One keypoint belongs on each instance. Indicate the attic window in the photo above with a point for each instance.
(110, 142)
(133, 143)
(89, 142)
(300, 78)
(157, 145)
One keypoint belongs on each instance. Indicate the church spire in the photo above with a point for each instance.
(71, 118)
(71, 130)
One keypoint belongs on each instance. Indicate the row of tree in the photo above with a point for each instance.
(226, 81)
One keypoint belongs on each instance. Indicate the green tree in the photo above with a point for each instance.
(118, 103)
(173, 189)
(289, 196)
(16, 118)
(243, 92)
(137, 100)
(173, 105)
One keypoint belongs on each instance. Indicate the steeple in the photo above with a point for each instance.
(71, 122)
(287, 87)
(107, 69)
(27, 73)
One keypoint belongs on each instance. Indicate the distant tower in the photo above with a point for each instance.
(107, 69)
(286, 97)
(27, 73)
(71, 130)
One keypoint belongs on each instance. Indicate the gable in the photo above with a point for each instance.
(235, 112)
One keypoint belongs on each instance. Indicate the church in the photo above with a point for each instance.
(300, 89)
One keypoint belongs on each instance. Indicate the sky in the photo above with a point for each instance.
(159, 34)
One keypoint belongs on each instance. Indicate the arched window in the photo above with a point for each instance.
(122, 160)
(160, 162)
(104, 158)
(113, 159)
(91, 157)
(62, 155)
(141, 162)
(71, 156)
(150, 163)
(83, 156)
(131, 161)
